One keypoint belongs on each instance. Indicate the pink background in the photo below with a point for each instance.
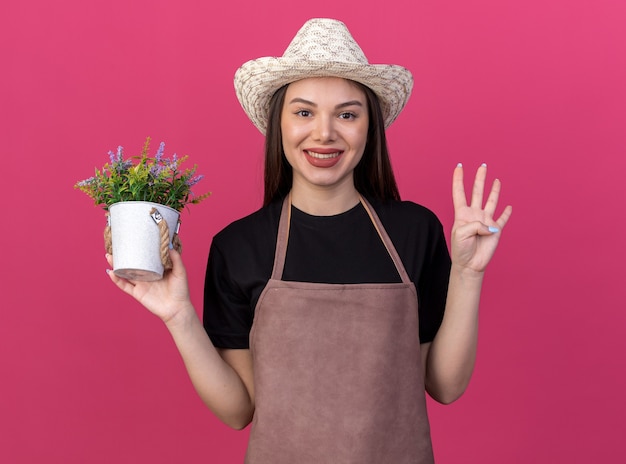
(534, 88)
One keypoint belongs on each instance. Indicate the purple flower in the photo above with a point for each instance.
(194, 180)
(86, 182)
(156, 170)
(159, 153)
(116, 157)
(173, 165)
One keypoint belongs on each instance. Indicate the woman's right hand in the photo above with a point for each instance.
(166, 297)
(223, 381)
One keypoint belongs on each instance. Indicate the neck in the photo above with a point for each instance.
(319, 201)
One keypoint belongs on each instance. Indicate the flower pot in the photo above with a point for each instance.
(136, 238)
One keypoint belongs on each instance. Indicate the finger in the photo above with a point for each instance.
(125, 285)
(474, 228)
(109, 259)
(479, 187)
(505, 216)
(458, 190)
(492, 199)
(178, 267)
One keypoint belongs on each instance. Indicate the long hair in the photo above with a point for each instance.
(373, 176)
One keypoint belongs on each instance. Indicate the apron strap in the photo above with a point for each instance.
(283, 238)
(382, 233)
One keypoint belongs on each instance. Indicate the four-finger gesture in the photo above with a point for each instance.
(475, 232)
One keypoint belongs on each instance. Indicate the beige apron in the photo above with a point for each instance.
(337, 369)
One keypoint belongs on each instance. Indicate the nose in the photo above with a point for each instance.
(324, 130)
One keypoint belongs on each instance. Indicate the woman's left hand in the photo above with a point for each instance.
(475, 232)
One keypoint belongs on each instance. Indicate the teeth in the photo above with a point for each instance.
(321, 155)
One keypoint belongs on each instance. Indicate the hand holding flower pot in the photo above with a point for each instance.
(143, 201)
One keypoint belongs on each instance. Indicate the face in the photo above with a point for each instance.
(324, 123)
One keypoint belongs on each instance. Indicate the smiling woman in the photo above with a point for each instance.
(324, 123)
(373, 176)
(333, 309)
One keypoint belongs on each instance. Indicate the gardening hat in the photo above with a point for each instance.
(321, 48)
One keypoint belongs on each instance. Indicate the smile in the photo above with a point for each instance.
(313, 154)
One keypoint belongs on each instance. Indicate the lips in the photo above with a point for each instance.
(323, 158)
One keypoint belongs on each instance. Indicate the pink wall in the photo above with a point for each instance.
(534, 88)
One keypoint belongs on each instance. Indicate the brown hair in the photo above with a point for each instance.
(373, 176)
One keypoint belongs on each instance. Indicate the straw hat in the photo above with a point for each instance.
(321, 48)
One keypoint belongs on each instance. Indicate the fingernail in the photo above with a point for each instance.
(484, 165)
(171, 246)
(460, 165)
(107, 270)
(493, 230)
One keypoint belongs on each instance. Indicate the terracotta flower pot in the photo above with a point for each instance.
(136, 238)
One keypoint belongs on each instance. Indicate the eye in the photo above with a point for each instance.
(347, 115)
(303, 113)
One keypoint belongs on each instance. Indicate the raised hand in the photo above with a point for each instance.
(166, 297)
(475, 232)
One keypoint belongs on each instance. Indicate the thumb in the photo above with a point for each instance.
(476, 228)
(177, 262)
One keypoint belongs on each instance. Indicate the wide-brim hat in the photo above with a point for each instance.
(321, 48)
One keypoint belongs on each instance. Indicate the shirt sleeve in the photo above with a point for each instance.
(432, 286)
(227, 315)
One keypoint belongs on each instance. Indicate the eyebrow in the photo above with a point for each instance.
(339, 106)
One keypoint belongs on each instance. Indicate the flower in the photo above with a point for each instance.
(158, 179)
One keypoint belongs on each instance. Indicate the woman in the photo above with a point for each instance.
(331, 310)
